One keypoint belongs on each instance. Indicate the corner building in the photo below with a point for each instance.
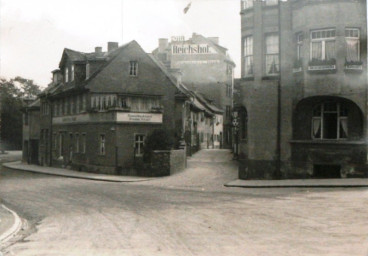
(304, 89)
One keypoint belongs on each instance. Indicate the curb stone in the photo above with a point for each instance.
(11, 232)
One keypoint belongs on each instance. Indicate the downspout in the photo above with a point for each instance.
(278, 138)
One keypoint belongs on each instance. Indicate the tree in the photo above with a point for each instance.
(12, 93)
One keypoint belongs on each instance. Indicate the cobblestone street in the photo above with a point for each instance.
(189, 213)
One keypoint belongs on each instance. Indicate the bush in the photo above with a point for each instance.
(159, 139)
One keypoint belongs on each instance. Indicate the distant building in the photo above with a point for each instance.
(101, 106)
(204, 67)
(304, 89)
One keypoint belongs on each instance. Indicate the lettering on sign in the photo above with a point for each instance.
(177, 38)
(139, 117)
(191, 49)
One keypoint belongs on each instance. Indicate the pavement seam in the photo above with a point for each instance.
(11, 232)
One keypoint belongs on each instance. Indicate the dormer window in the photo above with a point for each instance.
(133, 69)
(66, 74)
(72, 74)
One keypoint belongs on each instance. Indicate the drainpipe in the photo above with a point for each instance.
(278, 139)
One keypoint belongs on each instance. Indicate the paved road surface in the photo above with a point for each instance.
(190, 213)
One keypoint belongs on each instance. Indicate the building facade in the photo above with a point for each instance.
(303, 89)
(101, 106)
(204, 67)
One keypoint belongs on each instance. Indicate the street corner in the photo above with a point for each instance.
(10, 225)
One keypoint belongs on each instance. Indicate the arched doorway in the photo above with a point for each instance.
(328, 138)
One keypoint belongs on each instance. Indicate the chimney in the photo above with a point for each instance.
(163, 43)
(98, 49)
(216, 39)
(112, 46)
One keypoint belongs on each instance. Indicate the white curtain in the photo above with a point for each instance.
(352, 50)
(330, 50)
(317, 50)
(316, 127)
(344, 127)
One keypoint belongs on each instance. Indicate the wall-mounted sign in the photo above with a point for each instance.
(139, 117)
(191, 49)
(125, 117)
(177, 38)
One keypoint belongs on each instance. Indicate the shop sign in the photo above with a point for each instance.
(139, 117)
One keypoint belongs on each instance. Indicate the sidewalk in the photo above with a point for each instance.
(307, 183)
(10, 224)
(72, 174)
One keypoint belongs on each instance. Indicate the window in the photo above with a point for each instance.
(323, 44)
(61, 139)
(77, 142)
(133, 69)
(66, 76)
(77, 110)
(272, 54)
(72, 107)
(102, 144)
(72, 74)
(330, 121)
(83, 143)
(271, 2)
(228, 90)
(84, 102)
(245, 4)
(138, 144)
(352, 36)
(248, 55)
(299, 46)
(65, 106)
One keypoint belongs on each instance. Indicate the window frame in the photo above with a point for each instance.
(339, 117)
(323, 41)
(248, 54)
(66, 74)
(72, 73)
(299, 45)
(348, 38)
(77, 148)
(84, 141)
(133, 68)
(102, 144)
(139, 143)
(266, 67)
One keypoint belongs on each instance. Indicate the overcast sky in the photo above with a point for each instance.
(35, 32)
